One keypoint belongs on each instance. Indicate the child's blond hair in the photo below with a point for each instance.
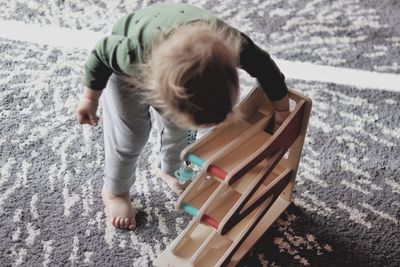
(191, 74)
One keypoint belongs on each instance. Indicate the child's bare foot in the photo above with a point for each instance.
(172, 182)
(119, 210)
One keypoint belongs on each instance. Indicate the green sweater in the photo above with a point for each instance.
(133, 36)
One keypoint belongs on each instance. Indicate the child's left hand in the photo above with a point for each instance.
(280, 117)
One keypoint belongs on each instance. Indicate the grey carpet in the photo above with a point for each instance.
(347, 200)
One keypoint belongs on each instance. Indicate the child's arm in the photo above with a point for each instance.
(113, 54)
(259, 64)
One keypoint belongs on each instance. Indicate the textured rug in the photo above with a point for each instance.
(346, 208)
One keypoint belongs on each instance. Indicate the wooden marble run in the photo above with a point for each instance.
(245, 182)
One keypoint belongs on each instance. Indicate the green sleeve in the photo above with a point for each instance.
(114, 54)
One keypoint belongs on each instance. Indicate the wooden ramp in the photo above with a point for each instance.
(245, 183)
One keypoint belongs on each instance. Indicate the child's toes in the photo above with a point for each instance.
(118, 222)
(132, 224)
(125, 223)
(113, 221)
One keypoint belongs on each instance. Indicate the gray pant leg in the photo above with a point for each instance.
(127, 124)
(172, 141)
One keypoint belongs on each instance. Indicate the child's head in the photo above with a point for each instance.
(192, 74)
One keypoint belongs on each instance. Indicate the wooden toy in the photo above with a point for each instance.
(244, 184)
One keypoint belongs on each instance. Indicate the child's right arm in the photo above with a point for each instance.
(113, 54)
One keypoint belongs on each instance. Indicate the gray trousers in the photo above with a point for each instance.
(127, 124)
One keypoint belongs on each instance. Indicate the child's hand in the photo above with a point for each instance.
(282, 111)
(280, 117)
(86, 112)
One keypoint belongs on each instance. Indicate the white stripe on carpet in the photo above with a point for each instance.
(84, 39)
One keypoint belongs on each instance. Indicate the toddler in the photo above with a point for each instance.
(180, 60)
